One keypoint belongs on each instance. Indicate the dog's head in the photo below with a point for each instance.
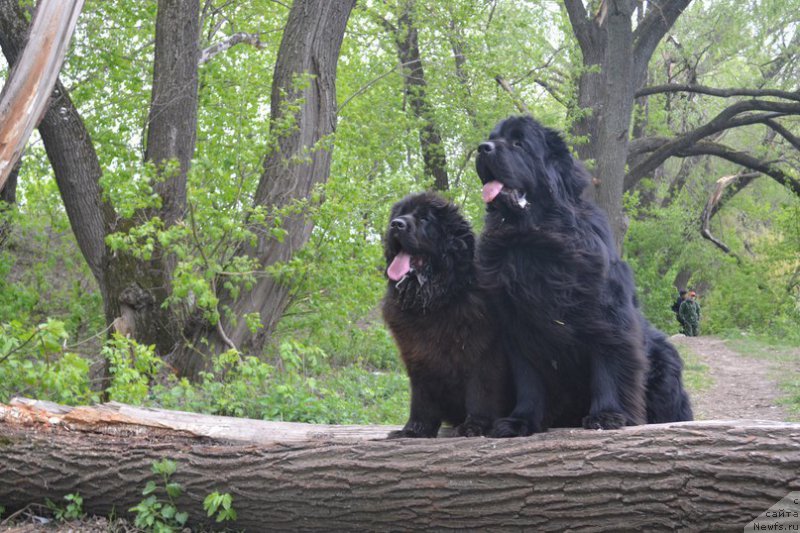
(429, 247)
(526, 167)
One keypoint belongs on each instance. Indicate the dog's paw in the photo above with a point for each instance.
(414, 431)
(403, 434)
(604, 420)
(470, 428)
(505, 428)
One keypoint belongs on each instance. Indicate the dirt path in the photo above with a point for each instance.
(743, 387)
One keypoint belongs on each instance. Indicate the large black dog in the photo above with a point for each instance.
(580, 350)
(440, 321)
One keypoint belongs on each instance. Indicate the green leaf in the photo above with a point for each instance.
(174, 490)
(149, 488)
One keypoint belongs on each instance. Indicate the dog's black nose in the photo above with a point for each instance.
(486, 147)
(398, 224)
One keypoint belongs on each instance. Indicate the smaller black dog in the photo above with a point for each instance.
(440, 322)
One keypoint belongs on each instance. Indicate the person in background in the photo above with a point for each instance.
(690, 313)
(676, 307)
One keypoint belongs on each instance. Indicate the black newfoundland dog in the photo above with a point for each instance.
(440, 321)
(580, 351)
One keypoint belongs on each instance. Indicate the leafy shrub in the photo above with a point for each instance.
(249, 387)
(132, 367)
(34, 361)
(72, 510)
(158, 512)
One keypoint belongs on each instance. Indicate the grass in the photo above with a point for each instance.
(696, 376)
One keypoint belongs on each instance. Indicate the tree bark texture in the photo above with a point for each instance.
(615, 59)
(305, 75)
(713, 475)
(172, 126)
(138, 288)
(26, 92)
(430, 138)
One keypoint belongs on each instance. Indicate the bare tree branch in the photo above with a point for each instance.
(71, 152)
(713, 91)
(731, 186)
(746, 160)
(660, 17)
(784, 132)
(734, 156)
(26, 94)
(516, 99)
(724, 189)
(644, 145)
(726, 119)
(581, 25)
(208, 53)
(552, 91)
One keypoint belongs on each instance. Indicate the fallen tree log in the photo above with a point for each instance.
(691, 475)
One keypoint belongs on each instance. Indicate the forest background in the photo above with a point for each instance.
(197, 223)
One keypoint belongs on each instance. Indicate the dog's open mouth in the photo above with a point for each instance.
(403, 264)
(494, 188)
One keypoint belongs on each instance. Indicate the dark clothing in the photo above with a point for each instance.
(689, 311)
(676, 307)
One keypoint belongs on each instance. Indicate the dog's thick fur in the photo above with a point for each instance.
(580, 351)
(440, 322)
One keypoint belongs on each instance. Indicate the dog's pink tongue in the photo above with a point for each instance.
(400, 266)
(491, 190)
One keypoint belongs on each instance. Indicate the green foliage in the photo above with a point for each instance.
(35, 361)
(303, 388)
(132, 367)
(331, 359)
(660, 242)
(220, 505)
(158, 512)
(761, 295)
(72, 510)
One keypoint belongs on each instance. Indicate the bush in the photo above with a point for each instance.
(35, 362)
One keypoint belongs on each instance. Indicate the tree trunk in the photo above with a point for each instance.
(613, 122)
(33, 76)
(172, 126)
(689, 476)
(615, 60)
(129, 286)
(138, 287)
(71, 154)
(430, 138)
(299, 161)
(305, 76)
(8, 200)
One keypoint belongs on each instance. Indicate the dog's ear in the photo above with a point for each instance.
(566, 177)
(555, 143)
(460, 237)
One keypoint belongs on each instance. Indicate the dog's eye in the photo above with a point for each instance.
(516, 143)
